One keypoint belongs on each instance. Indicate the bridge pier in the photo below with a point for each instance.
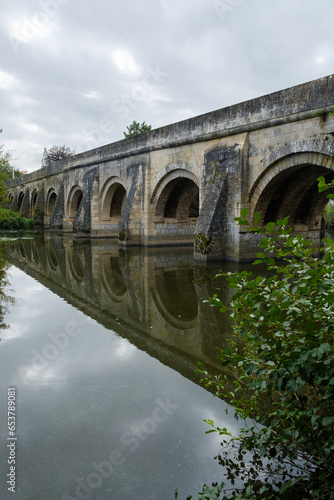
(225, 170)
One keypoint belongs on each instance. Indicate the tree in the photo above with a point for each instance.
(6, 174)
(6, 170)
(56, 153)
(136, 128)
(281, 361)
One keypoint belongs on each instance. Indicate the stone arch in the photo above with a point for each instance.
(33, 198)
(113, 197)
(51, 199)
(288, 187)
(20, 200)
(176, 197)
(177, 173)
(11, 200)
(74, 200)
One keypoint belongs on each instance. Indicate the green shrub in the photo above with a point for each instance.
(281, 361)
(12, 221)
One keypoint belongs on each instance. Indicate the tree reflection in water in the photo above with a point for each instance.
(5, 297)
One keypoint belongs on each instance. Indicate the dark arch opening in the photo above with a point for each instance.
(294, 193)
(20, 200)
(75, 202)
(173, 201)
(79, 200)
(179, 200)
(33, 199)
(51, 203)
(194, 207)
(117, 202)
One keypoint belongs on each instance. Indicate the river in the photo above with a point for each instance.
(99, 359)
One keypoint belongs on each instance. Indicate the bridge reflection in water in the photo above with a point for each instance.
(154, 298)
(103, 358)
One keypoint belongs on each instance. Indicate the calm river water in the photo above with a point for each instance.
(100, 353)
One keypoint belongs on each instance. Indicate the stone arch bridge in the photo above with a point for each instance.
(185, 183)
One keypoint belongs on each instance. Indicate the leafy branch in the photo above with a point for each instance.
(279, 369)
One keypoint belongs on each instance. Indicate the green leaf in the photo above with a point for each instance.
(262, 449)
(270, 226)
(241, 221)
(257, 218)
(270, 261)
(322, 185)
(250, 490)
(250, 369)
(327, 421)
(292, 385)
(244, 212)
(286, 486)
(314, 421)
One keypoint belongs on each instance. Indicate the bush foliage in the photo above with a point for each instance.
(281, 358)
(12, 221)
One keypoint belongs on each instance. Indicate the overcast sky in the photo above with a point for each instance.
(77, 72)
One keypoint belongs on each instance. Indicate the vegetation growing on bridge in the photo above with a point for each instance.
(282, 361)
(136, 128)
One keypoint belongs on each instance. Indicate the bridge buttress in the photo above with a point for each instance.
(56, 218)
(225, 169)
(83, 219)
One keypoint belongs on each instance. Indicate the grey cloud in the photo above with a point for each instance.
(215, 53)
